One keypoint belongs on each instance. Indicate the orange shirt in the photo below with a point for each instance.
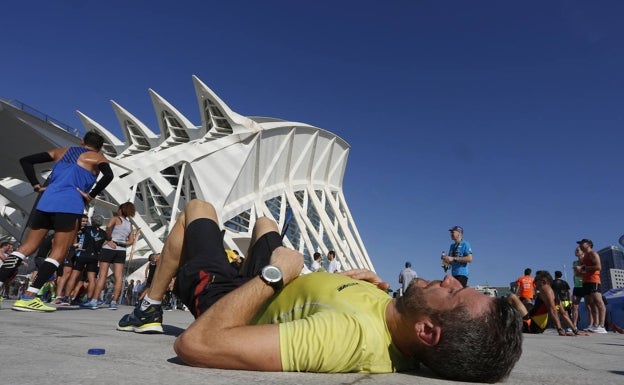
(525, 287)
(590, 276)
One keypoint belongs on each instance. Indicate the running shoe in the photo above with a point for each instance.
(64, 301)
(31, 304)
(60, 300)
(599, 330)
(147, 321)
(91, 304)
(113, 305)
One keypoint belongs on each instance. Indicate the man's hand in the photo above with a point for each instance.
(86, 197)
(368, 276)
(289, 261)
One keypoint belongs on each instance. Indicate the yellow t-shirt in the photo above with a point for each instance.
(330, 323)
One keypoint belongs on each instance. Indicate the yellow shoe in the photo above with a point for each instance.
(35, 304)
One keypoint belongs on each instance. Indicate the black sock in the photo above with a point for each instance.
(9, 267)
(45, 272)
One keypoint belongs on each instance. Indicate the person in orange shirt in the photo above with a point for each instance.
(525, 288)
(590, 272)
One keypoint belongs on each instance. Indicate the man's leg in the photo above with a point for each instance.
(599, 310)
(208, 276)
(63, 239)
(14, 260)
(264, 239)
(170, 261)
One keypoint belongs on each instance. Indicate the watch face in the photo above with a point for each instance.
(272, 273)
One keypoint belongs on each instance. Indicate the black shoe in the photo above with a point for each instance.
(147, 321)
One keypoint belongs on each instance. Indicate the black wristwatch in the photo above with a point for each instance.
(272, 276)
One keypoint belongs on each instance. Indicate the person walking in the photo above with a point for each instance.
(406, 276)
(61, 203)
(459, 256)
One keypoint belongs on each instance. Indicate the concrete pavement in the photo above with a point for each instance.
(40, 348)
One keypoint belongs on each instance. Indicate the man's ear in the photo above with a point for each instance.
(427, 332)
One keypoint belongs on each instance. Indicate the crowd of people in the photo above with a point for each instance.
(267, 314)
(73, 256)
(544, 301)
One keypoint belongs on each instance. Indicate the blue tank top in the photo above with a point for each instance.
(61, 196)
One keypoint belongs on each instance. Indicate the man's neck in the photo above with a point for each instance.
(401, 332)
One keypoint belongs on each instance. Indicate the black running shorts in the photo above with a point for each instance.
(207, 274)
(55, 221)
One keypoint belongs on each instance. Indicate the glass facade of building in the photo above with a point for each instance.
(611, 257)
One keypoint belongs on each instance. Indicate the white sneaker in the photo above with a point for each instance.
(599, 330)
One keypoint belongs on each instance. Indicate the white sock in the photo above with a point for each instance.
(147, 301)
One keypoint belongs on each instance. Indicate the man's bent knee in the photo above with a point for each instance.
(197, 208)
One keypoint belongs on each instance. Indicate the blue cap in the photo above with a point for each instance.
(408, 264)
(457, 228)
(96, 352)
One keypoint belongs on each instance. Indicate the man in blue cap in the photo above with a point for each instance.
(459, 255)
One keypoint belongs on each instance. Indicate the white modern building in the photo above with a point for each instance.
(246, 166)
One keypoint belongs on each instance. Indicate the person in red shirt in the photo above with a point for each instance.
(525, 288)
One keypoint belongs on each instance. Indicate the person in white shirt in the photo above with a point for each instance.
(334, 265)
(317, 263)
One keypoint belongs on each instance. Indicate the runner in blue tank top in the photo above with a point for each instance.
(59, 208)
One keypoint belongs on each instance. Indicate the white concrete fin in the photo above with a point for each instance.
(175, 127)
(139, 137)
(217, 117)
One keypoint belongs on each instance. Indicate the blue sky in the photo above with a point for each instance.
(502, 117)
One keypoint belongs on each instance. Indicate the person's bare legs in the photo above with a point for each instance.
(262, 226)
(563, 315)
(101, 280)
(71, 283)
(171, 257)
(600, 311)
(118, 274)
(61, 242)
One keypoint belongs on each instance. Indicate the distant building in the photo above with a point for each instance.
(611, 258)
(617, 278)
(247, 166)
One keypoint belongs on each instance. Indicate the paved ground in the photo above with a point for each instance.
(39, 348)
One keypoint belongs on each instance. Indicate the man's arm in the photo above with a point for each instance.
(596, 262)
(368, 276)
(28, 165)
(547, 295)
(222, 337)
